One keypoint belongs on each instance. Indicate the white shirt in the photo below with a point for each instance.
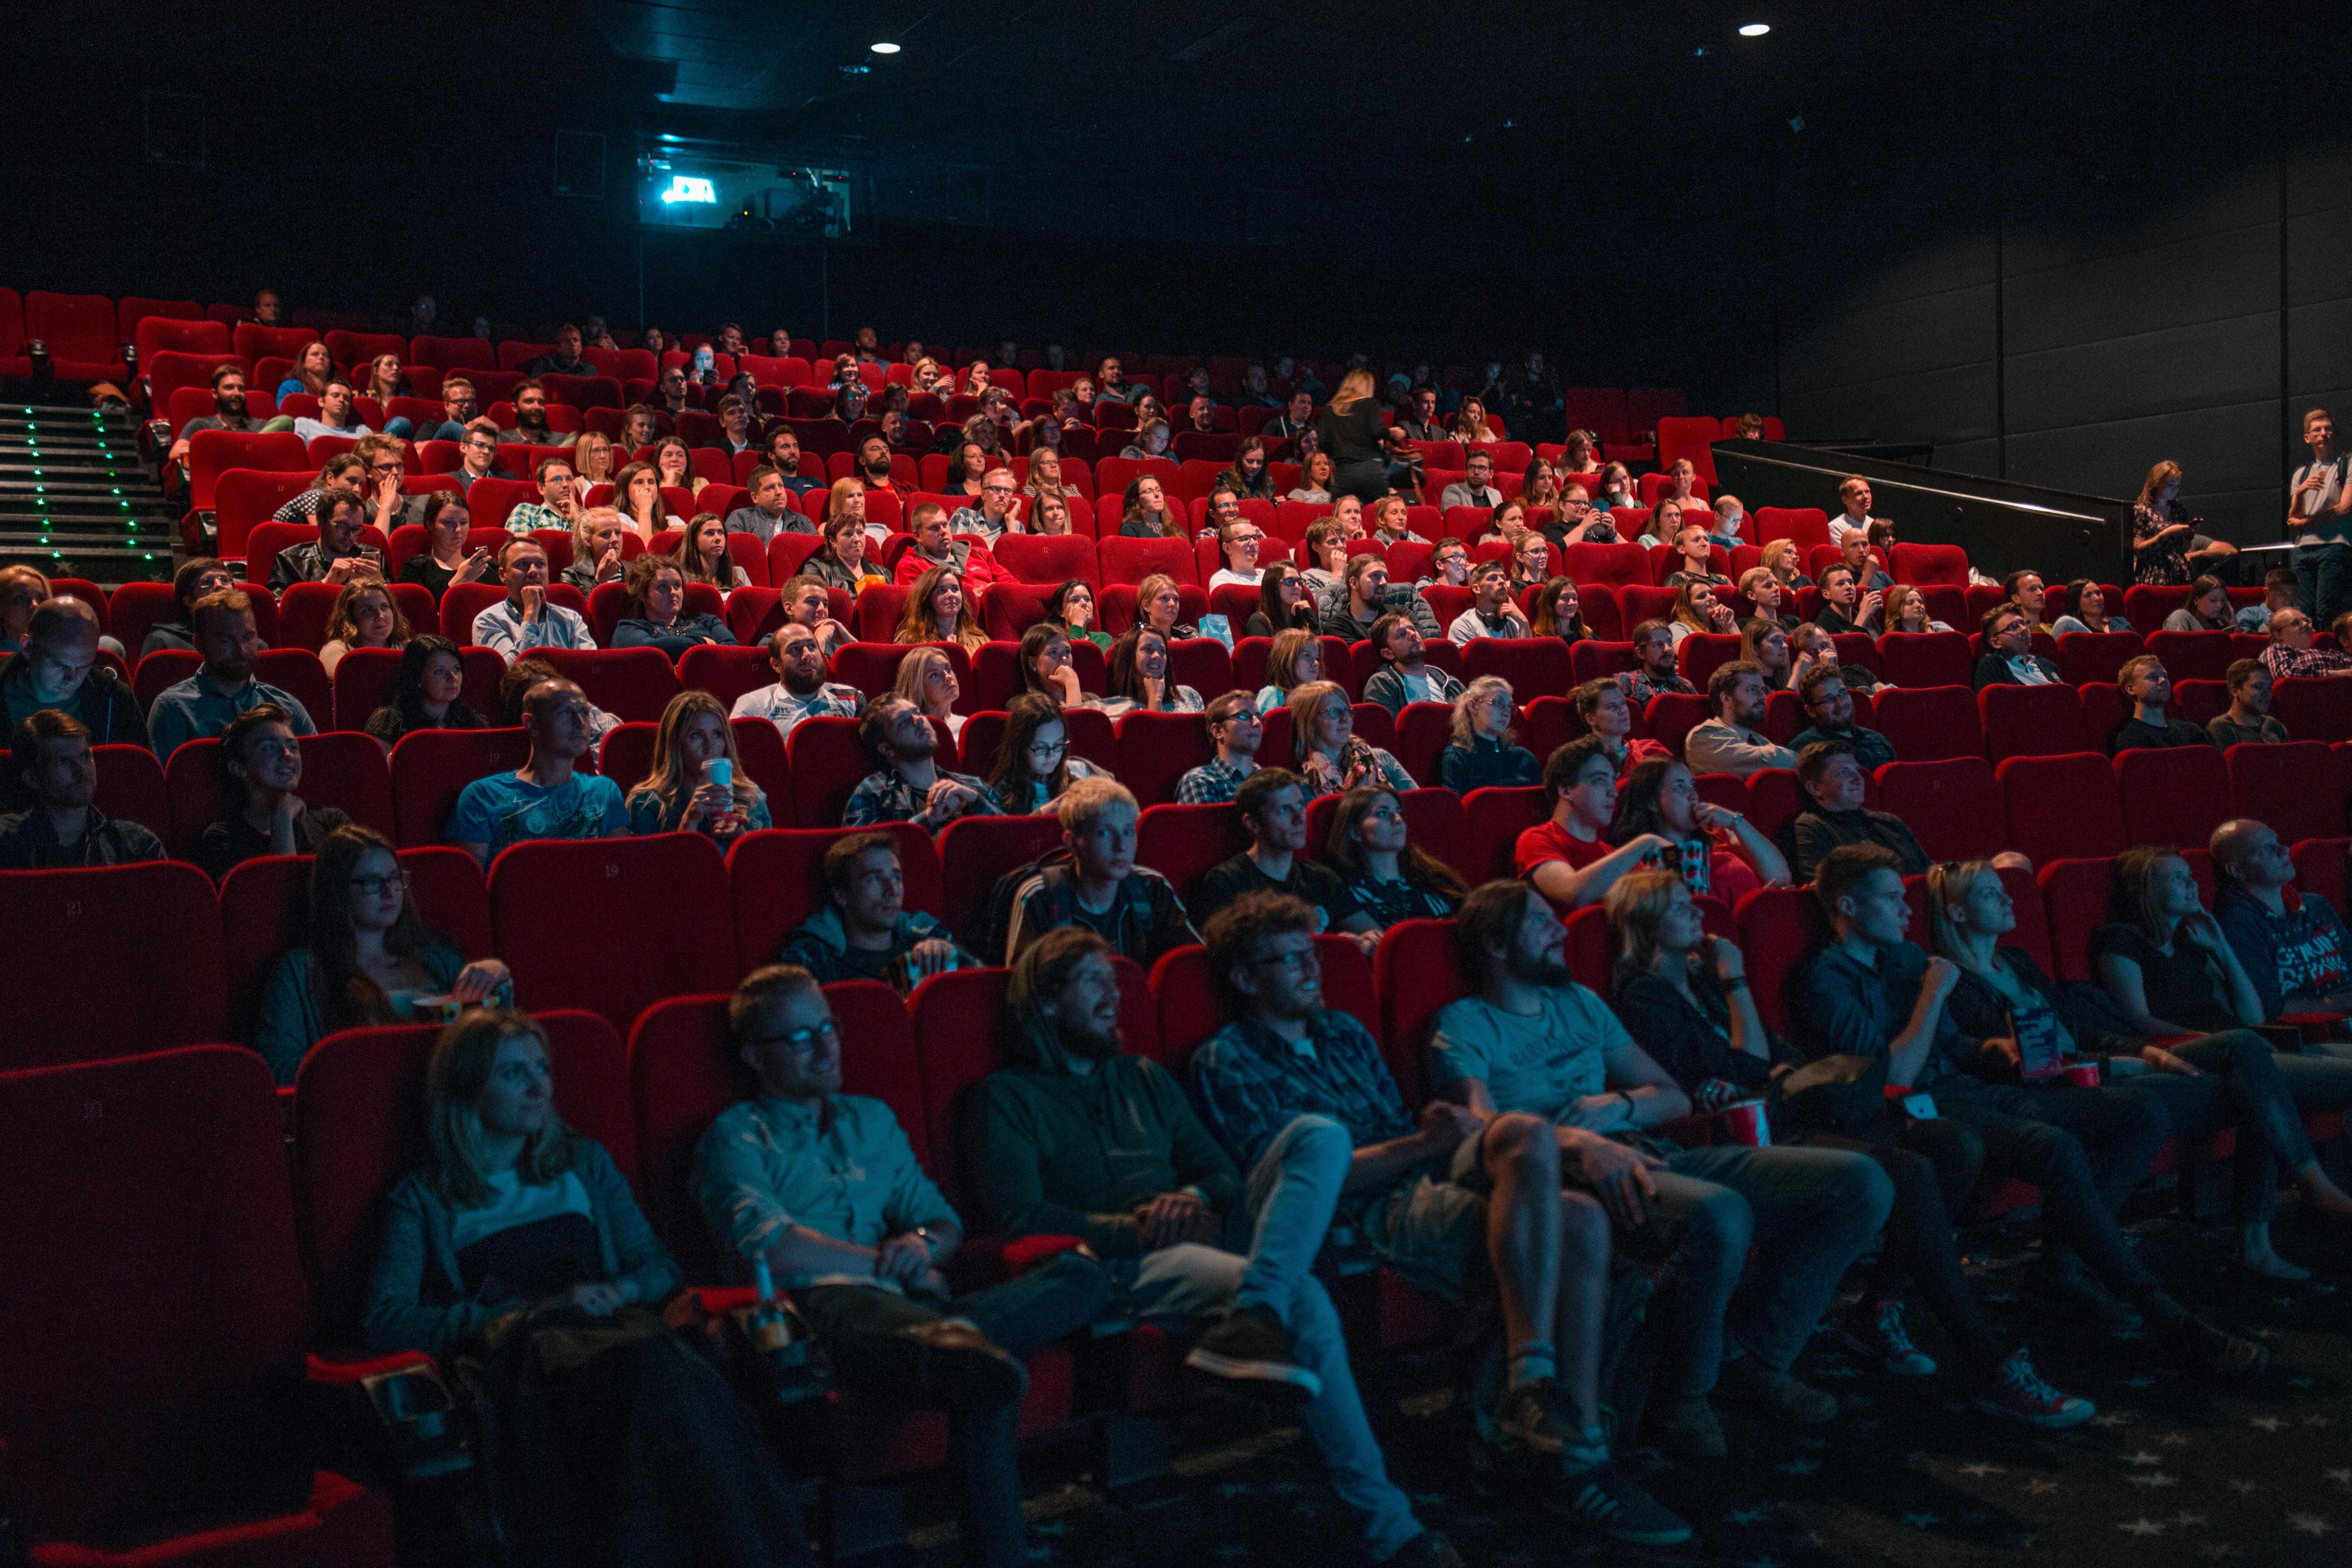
(1842, 525)
(784, 709)
(1469, 624)
(312, 429)
(1226, 575)
(2028, 673)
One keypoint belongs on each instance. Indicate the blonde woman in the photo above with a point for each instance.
(1295, 660)
(686, 791)
(597, 549)
(591, 459)
(927, 678)
(1349, 429)
(846, 498)
(1326, 751)
(1786, 562)
(939, 610)
(365, 615)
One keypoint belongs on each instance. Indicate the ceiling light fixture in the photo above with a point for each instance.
(885, 48)
(1755, 29)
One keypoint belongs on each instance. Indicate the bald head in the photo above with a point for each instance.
(2246, 850)
(62, 624)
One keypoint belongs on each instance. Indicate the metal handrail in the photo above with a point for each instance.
(1755, 457)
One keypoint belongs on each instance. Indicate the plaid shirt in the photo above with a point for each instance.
(533, 514)
(1249, 1083)
(2282, 661)
(884, 795)
(1214, 782)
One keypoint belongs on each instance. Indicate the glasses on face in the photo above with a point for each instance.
(1048, 748)
(1291, 962)
(800, 1042)
(376, 887)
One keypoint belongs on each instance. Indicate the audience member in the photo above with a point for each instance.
(1404, 676)
(1845, 607)
(2295, 650)
(1830, 706)
(1766, 645)
(1325, 747)
(840, 562)
(2291, 943)
(338, 555)
(656, 587)
(221, 690)
(228, 412)
(1494, 612)
(770, 510)
(1136, 679)
(598, 536)
(2091, 613)
(1654, 670)
(1072, 608)
(1853, 494)
(1236, 730)
(695, 781)
(2207, 609)
(1477, 486)
(2008, 657)
(1559, 613)
(865, 931)
(547, 797)
(2148, 689)
(1834, 784)
(57, 667)
(1271, 803)
(1483, 751)
(2248, 718)
(2319, 496)
(1695, 559)
(63, 828)
(1047, 668)
(1285, 603)
(197, 578)
(427, 692)
(702, 555)
(1034, 766)
(2278, 594)
(1719, 851)
(908, 786)
(1733, 740)
(559, 491)
(1160, 607)
(1098, 886)
(446, 560)
(365, 615)
(526, 618)
(1567, 858)
(1603, 708)
(1905, 610)
(1389, 877)
(1238, 540)
(927, 678)
(975, 567)
(998, 512)
(801, 689)
(260, 763)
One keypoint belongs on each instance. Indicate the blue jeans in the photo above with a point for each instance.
(2321, 591)
(1808, 1212)
(2073, 1207)
(1273, 1236)
(1024, 1315)
(2263, 1093)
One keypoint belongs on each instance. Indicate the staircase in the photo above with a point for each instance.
(75, 500)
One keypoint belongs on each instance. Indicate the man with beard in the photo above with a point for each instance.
(228, 411)
(873, 466)
(530, 427)
(458, 411)
(669, 391)
(336, 556)
(224, 686)
(909, 786)
(1733, 740)
(801, 690)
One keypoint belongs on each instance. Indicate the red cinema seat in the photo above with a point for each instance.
(1672, 715)
(635, 682)
(79, 331)
(131, 786)
(1808, 525)
(1131, 561)
(1590, 660)
(144, 945)
(2296, 789)
(431, 768)
(1953, 806)
(828, 760)
(1047, 559)
(1924, 659)
(340, 769)
(726, 672)
(1194, 1001)
(1493, 820)
(2177, 795)
(150, 1382)
(777, 882)
(2093, 658)
(1416, 971)
(2033, 721)
(2060, 807)
(2075, 904)
(212, 453)
(244, 500)
(1926, 724)
(1536, 667)
(1778, 926)
(1623, 565)
(1179, 842)
(543, 893)
(1155, 749)
(976, 850)
(2313, 708)
(1931, 566)
(1774, 799)
(2191, 656)
(1424, 731)
(1700, 654)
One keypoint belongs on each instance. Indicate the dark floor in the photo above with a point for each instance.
(2171, 1471)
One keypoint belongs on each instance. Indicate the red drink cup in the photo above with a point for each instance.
(1745, 1120)
(2083, 1073)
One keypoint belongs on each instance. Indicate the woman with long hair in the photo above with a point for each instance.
(1616, 491)
(1159, 607)
(845, 496)
(1576, 455)
(597, 549)
(1049, 515)
(1316, 474)
(674, 462)
(517, 1242)
(1907, 610)
(1483, 751)
(342, 471)
(1786, 561)
(260, 763)
(1286, 601)
(841, 561)
(365, 615)
(927, 678)
(1469, 424)
(1530, 561)
(368, 957)
(702, 555)
(1539, 485)
(2091, 612)
(1072, 608)
(386, 380)
(1389, 876)
(637, 496)
(659, 616)
(1722, 853)
(308, 371)
(1138, 679)
(1296, 659)
(427, 692)
(2161, 528)
(1045, 477)
(1559, 612)
(937, 610)
(2208, 609)
(591, 458)
(1046, 667)
(1351, 429)
(685, 790)
(1506, 521)
(968, 466)
(1765, 645)
(1326, 750)
(1684, 997)
(1034, 764)
(1146, 515)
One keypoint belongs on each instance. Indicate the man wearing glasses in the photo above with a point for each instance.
(993, 519)
(823, 1189)
(866, 932)
(477, 456)
(1237, 730)
(458, 411)
(1240, 539)
(385, 458)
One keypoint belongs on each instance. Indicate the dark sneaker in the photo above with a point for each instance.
(1687, 1430)
(1427, 1550)
(2018, 1392)
(1886, 1343)
(1249, 1344)
(1608, 1499)
(2063, 1279)
(1751, 1382)
(957, 1367)
(1530, 1418)
(2204, 1348)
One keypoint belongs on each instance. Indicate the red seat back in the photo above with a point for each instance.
(2191, 656)
(1778, 926)
(1493, 820)
(976, 850)
(2313, 708)
(1179, 842)
(142, 946)
(2075, 904)
(2296, 789)
(2059, 807)
(539, 890)
(1924, 659)
(430, 768)
(1931, 566)
(1953, 806)
(1194, 1001)
(2175, 795)
(635, 682)
(2087, 658)
(1155, 749)
(2033, 721)
(1925, 724)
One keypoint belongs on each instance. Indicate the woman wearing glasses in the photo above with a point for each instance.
(370, 957)
(1034, 764)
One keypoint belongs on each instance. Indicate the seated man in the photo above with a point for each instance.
(2009, 658)
(1871, 992)
(1359, 601)
(337, 555)
(558, 506)
(1272, 806)
(908, 786)
(1530, 1040)
(2148, 689)
(2247, 720)
(1694, 556)
(1845, 607)
(1415, 1194)
(548, 797)
(821, 1191)
(1869, 577)
(477, 456)
(530, 428)
(784, 457)
(933, 547)
(526, 618)
(771, 511)
(808, 601)
(1101, 887)
(50, 751)
(2291, 943)
(1830, 706)
(1854, 490)
(1235, 728)
(2023, 592)
(993, 516)
(1831, 777)
(1569, 858)
(801, 690)
(224, 686)
(2278, 594)
(1184, 1236)
(58, 667)
(2296, 649)
(228, 412)
(1655, 670)
(565, 359)
(866, 932)
(1733, 740)
(459, 410)
(1494, 614)
(1404, 675)
(335, 416)
(1475, 487)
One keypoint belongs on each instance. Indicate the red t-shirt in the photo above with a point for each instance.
(1551, 841)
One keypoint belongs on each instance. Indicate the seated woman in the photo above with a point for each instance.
(1252, 480)
(1506, 522)
(1785, 559)
(591, 458)
(1146, 515)
(426, 692)
(927, 678)
(1296, 659)
(2208, 609)
(198, 578)
(702, 555)
(1139, 678)
(1240, 539)
(656, 587)
(1722, 853)
(967, 465)
(1151, 440)
(1470, 424)
(1577, 456)
(596, 550)
(1045, 477)
(1159, 606)
(1286, 601)
(261, 769)
(1048, 516)
(1072, 608)
(1045, 666)
(513, 1210)
(1666, 521)
(1617, 490)
(937, 610)
(1391, 877)
(1483, 751)
(1315, 476)
(674, 462)
(1907, 610)
(2090, 612)
(369, 957)
(841, 561)
(1531, 561)
(1766, 596)
(1696, 610)
(2167, 966)
(696, 783)
(1811, 645)
(445, 559)
(23, 590)
(1559, 613)
(1684, 997)
(1766, 645)
(1325, 750)
(1034, 764)
(365, 615)
(1539, 487)
(637, 497)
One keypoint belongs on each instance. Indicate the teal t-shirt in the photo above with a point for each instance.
(502, 810)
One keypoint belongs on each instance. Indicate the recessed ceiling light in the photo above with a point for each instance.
(885, 48)
(1755, 29)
